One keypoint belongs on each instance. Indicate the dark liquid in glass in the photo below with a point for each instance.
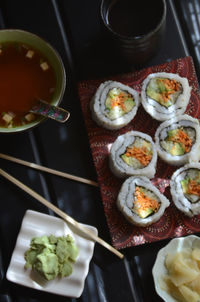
(132, 18)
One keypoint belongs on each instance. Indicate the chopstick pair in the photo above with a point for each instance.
(48, 170)
(60, 213)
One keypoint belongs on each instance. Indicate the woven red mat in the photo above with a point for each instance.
(173, 223)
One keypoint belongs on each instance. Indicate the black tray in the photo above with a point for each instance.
(73, 28)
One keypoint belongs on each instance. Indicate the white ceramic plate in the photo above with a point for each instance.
(159, 269)
(38, 224)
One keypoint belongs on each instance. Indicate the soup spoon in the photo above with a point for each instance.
(47, 110)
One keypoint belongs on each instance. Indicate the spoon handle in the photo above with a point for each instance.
(47, 110)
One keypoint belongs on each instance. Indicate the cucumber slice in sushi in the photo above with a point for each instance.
(165, 95)
(114, 105)
(141, 202)
(185, 189)
(133, 153)
(178, 140)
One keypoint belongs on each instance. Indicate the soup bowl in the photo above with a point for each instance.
(50, 58)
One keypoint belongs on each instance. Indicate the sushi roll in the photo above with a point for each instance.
(133, 153)
(185, 189)
(114, 105)
(165, 95)
(141, 202)
(178, 140)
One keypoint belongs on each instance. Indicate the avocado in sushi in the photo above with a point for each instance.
(178, 140)
(144, 203)
(165, 95)
(191, 185)
(164, 91)
(138, 154)
(140, 201)
(118, 103)
(133, 153)
(185, 189)
(114, 105)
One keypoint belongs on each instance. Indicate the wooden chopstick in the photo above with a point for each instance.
(60, 213)
(48, 170)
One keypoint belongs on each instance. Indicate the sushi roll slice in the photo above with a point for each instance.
(165, 95)
(114, 105)
(133, 153)
(141, 202)
(185, 189)
(178, 140)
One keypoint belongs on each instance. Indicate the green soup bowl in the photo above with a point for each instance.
(50, 55)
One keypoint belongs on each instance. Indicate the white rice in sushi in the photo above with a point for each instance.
(185, 189)
(114, 105)
(165, 95)
(178, 140)
(141, 202)
(133, 153)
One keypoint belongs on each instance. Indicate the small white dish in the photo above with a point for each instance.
(159, 270)
(38, 224)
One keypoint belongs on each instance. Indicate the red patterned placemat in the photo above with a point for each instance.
(173, 223)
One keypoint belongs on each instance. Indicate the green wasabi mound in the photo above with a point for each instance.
(52, 256)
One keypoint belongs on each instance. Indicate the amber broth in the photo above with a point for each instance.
(22, 81)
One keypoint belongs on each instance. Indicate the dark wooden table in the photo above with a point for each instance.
(73, 28)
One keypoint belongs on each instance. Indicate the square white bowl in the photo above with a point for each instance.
(38, 224)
